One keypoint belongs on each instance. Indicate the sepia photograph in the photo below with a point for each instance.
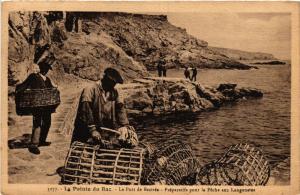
(149, 98)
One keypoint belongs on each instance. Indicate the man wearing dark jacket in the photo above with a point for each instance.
(194, 74)
(41, 116)
(101, 107)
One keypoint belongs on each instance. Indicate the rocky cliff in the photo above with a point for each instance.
(76, 53)
(243, 55)
(150, 38)
(84, 44)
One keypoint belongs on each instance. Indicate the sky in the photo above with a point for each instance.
(256, 32)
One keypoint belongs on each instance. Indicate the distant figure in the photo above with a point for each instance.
(164, 70)
(194, 75)
(159, 69)
(187, 73)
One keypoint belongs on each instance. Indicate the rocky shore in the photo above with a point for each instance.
(155, 95)
(273, 62)
(244, 55)
(160, 96)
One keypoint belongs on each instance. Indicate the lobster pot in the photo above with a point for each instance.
(240, 165)
(91, 164)
(30, 99)
(171, 164)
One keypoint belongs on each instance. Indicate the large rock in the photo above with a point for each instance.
(87, 56)
(167, 95)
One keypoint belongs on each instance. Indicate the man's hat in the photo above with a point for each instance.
(114, 75)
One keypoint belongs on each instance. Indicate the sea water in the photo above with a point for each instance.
(264, 123)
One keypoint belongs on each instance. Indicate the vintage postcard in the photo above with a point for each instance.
(150, 97)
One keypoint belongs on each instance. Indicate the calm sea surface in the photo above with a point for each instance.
(264, 122)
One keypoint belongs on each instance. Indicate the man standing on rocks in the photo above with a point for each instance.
(159, 69)
(194, 74)
(186, 73)
(101, 107)
(164, 70)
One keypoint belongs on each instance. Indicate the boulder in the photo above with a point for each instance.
(249, 92)
(228, 86)
(167, 95)
(139, 100)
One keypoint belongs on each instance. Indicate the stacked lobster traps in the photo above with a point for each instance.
(240, 165)
(170, 164)
(91, 164)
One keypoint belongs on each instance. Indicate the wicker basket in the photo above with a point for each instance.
(32, 99)
(240, 165)
(91, 164)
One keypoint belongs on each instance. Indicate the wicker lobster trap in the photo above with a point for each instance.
(92, 164)
(171, 164)
(240, 165)
(30, 99)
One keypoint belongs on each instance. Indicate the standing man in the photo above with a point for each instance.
(159, 69)
(41, 115)
(187, 73)
(163, 66)
(164, 70)
(194, 75)
(101, 107)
